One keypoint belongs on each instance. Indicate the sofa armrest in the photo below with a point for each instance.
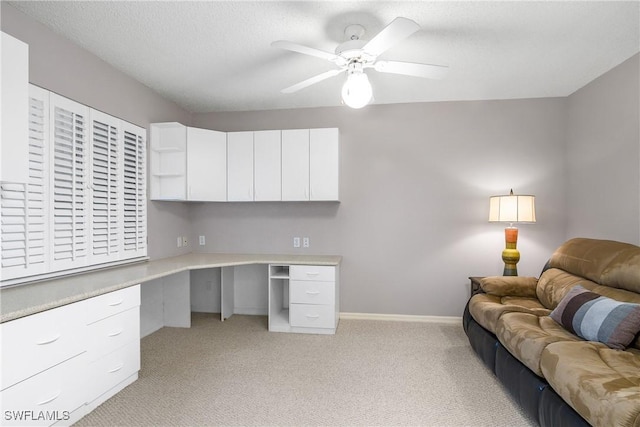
(515, 286)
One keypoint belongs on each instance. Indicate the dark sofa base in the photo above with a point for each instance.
(533, 394)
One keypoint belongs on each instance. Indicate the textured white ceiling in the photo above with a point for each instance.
(216, 55)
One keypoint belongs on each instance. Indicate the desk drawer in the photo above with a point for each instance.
(312, 316)
(112, 369)
(109, 334)
(106, 305)
(47, 397)
(34, 343)
(321, 273)
(312, 292)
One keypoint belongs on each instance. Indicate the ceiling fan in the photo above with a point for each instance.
(356, 55)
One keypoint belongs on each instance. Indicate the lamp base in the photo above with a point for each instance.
(510, 255)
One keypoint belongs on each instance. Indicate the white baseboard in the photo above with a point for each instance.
(401, 318)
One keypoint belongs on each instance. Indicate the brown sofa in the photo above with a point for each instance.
(600, 383)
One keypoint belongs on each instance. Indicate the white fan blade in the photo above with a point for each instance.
(294, 47)
(315, 79)
(412, 69)
(399, 29)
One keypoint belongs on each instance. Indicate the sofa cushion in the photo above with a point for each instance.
(554, 284)
(509, 286)
(598, 318)
(526, 335)
(601, 384)
(486, 309)
(609, 263)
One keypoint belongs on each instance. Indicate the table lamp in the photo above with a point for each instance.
(512, 209)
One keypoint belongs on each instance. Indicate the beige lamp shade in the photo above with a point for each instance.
(512, 208)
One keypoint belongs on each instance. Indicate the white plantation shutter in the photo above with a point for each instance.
(106, 188)
(69, 201)
(85, 200)
(24, 206)
(134, 191)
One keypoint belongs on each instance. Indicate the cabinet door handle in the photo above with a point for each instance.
(116, 369)
(313, 292)
(51, 399)
(115, 334)
(54, 339)
(313, 316)
(113, 304)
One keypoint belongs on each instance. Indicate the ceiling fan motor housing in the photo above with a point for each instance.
(352, 48)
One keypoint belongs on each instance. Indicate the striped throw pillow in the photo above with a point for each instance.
(597, 318)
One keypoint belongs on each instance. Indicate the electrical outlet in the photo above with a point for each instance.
(305, 242)
(184, 241)
(201, 241)
(179, 241)
(296, 242)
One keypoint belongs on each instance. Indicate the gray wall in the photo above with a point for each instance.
(61, 66)
(415, 186)
(603, 156)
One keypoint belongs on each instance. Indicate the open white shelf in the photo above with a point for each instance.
(168, 161)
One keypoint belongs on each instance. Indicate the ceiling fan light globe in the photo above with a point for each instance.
(357, 91)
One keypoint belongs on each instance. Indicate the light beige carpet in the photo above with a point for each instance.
(369, 373)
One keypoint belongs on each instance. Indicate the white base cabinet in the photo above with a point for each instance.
(60, 364)
(303, 299)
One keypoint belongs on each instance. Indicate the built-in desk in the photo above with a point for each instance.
(77, 338)
(24, 300)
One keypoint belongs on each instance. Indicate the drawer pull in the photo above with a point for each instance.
(51, 399)
(115, 334)
(313, 292)
(312, 316)
(113, 304)
(116, 369)
(49, 341)
(312, 273)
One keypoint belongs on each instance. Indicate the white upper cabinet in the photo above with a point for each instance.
(206, 165)
(267, 165)
(240, 166)
(271, 165)
(295, 165)
(324, 162)
(14, 148)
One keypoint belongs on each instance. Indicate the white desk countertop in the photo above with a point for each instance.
(27, 299)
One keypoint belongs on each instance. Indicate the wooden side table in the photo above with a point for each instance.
(475, 285)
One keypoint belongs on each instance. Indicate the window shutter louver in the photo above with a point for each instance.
(69, 201)
(106, 173)
(135, 198)
(24, 206)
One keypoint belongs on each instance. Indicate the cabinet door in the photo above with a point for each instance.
(69, 200)
(240, 166)
(106, 188)
(323, 164)
(267, 165)
(206, 165)
(24, 215)
(15, 110)
(295, 165)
